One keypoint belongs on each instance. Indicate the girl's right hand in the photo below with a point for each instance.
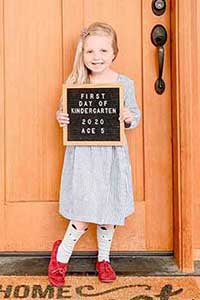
(62, 118)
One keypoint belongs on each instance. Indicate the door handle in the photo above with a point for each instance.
(159, 38)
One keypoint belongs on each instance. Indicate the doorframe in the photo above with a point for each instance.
(184, 54)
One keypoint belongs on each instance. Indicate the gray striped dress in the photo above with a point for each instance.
(96, 181)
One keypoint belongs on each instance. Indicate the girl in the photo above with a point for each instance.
(96, 183)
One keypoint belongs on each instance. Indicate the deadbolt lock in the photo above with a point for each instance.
(158, 7)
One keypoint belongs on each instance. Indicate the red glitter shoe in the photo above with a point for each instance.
(105, 271)
(56, 269)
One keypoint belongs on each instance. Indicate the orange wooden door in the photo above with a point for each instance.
(38, 40)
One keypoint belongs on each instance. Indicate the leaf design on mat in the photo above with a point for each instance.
(90, 288)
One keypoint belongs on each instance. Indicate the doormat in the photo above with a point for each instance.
(89, 287)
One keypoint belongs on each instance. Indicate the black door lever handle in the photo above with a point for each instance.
(159, 38)
(160, 84)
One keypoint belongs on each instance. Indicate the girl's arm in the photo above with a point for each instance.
(60, 109)
(131, 103)
(62, 118)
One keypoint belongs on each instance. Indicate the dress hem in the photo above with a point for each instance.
(89, 220)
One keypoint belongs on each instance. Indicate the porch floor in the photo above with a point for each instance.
(127, 266)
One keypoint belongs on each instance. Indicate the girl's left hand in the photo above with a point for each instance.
(126, 115)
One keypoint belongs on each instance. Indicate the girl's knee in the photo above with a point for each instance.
(80, 225)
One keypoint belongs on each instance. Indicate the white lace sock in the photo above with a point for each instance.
(72, 235)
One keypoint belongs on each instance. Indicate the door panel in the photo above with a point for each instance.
(33, 72)
(39, 51)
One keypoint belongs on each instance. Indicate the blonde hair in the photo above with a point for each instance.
(80, 73)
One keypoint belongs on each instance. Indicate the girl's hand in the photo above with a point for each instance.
(126, 116)
(62, 118)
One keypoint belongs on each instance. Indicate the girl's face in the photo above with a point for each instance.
(98, 53)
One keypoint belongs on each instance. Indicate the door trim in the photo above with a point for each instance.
(183, 25)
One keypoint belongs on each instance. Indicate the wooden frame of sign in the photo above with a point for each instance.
(94, 114)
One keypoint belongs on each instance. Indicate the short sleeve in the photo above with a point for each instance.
(131, 103)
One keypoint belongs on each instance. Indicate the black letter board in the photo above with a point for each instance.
(94, 114)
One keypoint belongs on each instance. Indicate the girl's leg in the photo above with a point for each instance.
(104, 239)
(73, 233)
